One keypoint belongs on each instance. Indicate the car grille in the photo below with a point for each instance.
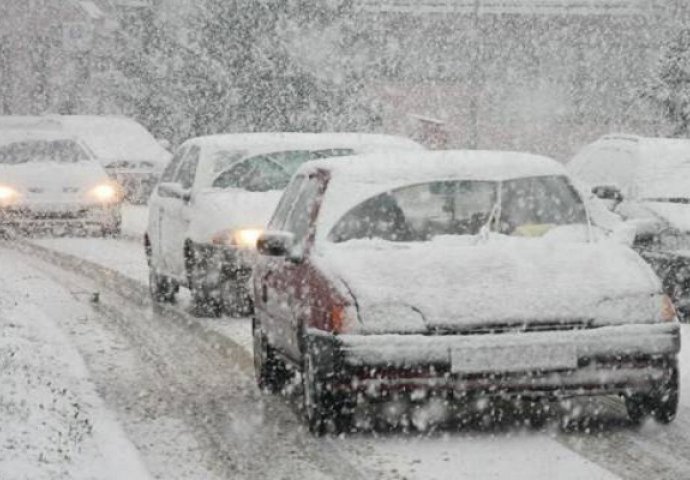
(515, 327)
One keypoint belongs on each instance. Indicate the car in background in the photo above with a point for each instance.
(127, 151)
(214, 199)
(647, 182)
(454, 275)
(49, 181)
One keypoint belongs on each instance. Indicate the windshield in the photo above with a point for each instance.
(58, 151)
(270, 171)
(527, 207)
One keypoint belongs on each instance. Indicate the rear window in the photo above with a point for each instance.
(40, 151)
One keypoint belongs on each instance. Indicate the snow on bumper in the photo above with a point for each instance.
(600, 360)
(68, 216)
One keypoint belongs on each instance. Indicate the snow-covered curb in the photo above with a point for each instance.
(54, 424)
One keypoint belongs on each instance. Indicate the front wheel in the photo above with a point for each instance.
(162, 288)
(324, 408)
(662, 403)
(271, 373)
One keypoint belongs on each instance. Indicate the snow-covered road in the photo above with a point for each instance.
(199, 381)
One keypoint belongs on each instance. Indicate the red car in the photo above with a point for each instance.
(454, 274)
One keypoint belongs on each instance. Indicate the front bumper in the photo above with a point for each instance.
(221, 263)
(36, 218)
(616, 359)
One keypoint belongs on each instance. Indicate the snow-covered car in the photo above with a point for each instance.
(647, 182)
(214, 198)
(50, 181)
(127, 151)
(454, 274)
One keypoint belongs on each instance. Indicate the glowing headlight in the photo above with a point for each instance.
(667, 311)
(7, 194)
(244, 238)
(105, 193)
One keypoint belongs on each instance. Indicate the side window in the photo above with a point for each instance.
(286, 201)
(171, 168)
(185, 175)
(300, 217)
(233, 177)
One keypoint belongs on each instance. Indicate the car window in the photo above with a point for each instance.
(286, 201)
(301, 214)
(528, 207)
(58, 151)
(332, 152)
(185, 175)
(171, 168)
(256, 174)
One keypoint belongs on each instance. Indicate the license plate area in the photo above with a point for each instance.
(513, 358)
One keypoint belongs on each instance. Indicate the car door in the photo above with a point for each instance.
(265, 272)
(177, 216)
(289, 284)
(157, 207)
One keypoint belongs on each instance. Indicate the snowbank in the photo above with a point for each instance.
(54, 424)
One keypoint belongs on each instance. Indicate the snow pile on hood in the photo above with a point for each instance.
(446, 284)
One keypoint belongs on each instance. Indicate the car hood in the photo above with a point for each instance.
(214, 211)
(423, 286)
(50, 182)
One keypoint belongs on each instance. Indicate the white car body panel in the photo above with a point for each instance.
(210, 210)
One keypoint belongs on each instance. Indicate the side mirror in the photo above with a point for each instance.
(608, 192)
(276, 244)
(174, 190)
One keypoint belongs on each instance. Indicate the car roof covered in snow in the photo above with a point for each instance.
(251, 144)
(354, 179)
(433, 165)
(292, 140)
(109, 137)
(660, 167)
(19, 135)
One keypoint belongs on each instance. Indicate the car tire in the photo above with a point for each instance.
(662, 404)
(271, 373)
(665, 399)
(203, 304)
(325, 410)
(162, 288)
(235, 298)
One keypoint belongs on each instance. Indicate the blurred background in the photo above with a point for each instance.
(540, 75)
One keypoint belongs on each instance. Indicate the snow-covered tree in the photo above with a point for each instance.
(669, 89)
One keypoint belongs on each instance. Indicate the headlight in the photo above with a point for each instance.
(244, 238)
(667, 312)
(8, 194)
(105, 193)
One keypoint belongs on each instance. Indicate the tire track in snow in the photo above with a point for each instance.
(249, 435)
(621, 449)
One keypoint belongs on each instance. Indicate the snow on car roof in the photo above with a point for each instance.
(252, 141)
(115, 138)
(18, 135)
(109, 137)
(250, 144)
(662, 164)
(357, 178)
